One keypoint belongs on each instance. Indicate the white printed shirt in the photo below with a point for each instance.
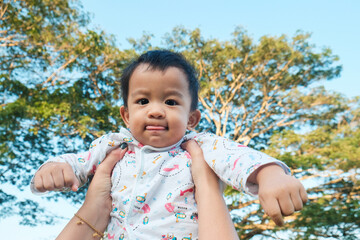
(152, 188)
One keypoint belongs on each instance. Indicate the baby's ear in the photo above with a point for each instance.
(124, 112)
(194, 119)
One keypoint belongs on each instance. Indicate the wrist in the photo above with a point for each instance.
(97, 216)
(203, 180)
(268, 171)
(207, 187)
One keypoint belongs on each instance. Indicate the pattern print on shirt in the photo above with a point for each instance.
(152, 191)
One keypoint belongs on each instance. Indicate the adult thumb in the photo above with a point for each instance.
(112, 158)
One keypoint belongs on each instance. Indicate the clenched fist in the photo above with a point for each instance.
(55, 176)
(280, 194)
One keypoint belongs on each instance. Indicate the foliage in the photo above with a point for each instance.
(59, 91)
(329, 154)
(251, 89)
(58, 82)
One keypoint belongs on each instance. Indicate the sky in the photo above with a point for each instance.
(333, 24)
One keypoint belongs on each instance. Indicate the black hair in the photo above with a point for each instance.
(161, 60)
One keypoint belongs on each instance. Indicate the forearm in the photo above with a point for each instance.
(98, 218)
(214, 219)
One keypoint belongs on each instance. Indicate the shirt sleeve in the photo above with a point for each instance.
(233, 162)
(85, 164)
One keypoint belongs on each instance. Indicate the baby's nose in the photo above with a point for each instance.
(156, 111)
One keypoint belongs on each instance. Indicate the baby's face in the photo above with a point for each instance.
(158, 112)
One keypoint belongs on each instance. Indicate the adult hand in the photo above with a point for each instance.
(97, 205)
(209, 195)
(200, 170)
(98, 194)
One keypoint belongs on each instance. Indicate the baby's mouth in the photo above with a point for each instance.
(155, 128)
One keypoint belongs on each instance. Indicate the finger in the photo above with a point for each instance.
(192, 147)
(272, 208)
(297, 201)
(38, 183)
(286, 205)
(48, 182)
(112, 158)
(58, 178)
(70, 179)
(303, 194)
(189, 145)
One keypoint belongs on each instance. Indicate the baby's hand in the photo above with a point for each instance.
(280, 194)
(54, 175)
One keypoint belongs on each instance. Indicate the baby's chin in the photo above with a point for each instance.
(160, 143)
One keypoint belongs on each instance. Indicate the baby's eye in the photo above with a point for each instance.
(171, 102)
(143, 101)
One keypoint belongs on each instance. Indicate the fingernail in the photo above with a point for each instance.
(123, 145)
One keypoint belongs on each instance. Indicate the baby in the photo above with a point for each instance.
(152, 187)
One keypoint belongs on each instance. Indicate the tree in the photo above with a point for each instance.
(330, 154)
(58, 81)
(261, 94)
(59, 91)
(252, 89)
